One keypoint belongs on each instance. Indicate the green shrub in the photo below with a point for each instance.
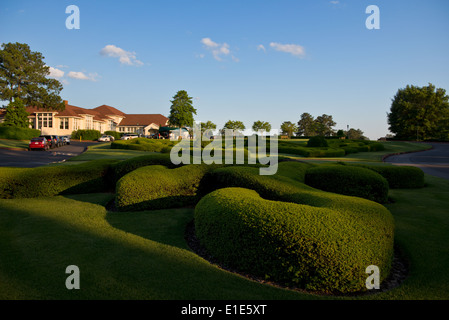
(16, 133)
(376, 146)
(122, 168)
(348, 180)
(86, 134)
(317, 142)
(301, 236)
(144, 144)
(157, 187)
(50, 181)
(399, 176)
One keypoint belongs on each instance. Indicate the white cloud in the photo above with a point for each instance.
(218, 49)
(335, 2)
(261, 47)
(125, 57)
(55, 73)
(81, 76)
(293, 49)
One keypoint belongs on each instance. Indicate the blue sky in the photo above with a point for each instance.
(241, 60)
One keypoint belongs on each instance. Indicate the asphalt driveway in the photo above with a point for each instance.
(37, 158)
(434, 161)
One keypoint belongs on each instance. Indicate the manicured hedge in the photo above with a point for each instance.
(144, 144)
(157, 187)
(91, 135)
(399, 176)
(54, 180)
(16, 133)
(317, 142)
(285, 231)
(348, 180)
(123, 167)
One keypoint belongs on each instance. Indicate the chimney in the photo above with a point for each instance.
(66, 102)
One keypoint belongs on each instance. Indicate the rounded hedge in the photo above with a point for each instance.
(285, 231)
(123, 167)
(348, 180)
(317, 141)
(400, 176)
(157, 187)
(53, 180)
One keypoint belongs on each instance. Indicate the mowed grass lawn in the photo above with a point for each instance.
(144, 255)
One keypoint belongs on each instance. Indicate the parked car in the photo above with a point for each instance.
(66, 139)
(59, 141)
(38, 143)
(51, 139)
(104, 138)
(128, 136)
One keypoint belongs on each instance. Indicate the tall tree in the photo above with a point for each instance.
(288, 128)
(23, 75)
(181, 110)
(306, 125)
(323, 125)
(261, 126)
(16, 114)
(420, 113)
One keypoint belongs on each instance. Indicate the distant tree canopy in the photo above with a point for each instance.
(420, 113)
(355, 134)
(288, 128)
(322, 125)
(233, 125)
(209, 125)
(261, 126)
(23, 75)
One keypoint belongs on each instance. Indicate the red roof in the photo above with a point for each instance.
(143, 120)
(104, 112)
(108, 111)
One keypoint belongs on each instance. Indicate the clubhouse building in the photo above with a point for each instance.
(103, 118)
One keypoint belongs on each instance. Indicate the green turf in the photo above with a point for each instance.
(143, 255)
(14, 144)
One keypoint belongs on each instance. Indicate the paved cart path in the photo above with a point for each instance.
(36, 158)
(434, 161)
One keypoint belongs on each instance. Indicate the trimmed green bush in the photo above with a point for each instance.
(86, 135)
(157, 187)
(126, 166)
(348, 180)
(144, 144)
(50, 181)
(317, 142)
(16, 133)
(285, 231)
(399, 176)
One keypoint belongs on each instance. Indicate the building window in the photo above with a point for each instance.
(76, 124)
(44, 120)
(63, 123)
(89, 123)
(111, 125)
